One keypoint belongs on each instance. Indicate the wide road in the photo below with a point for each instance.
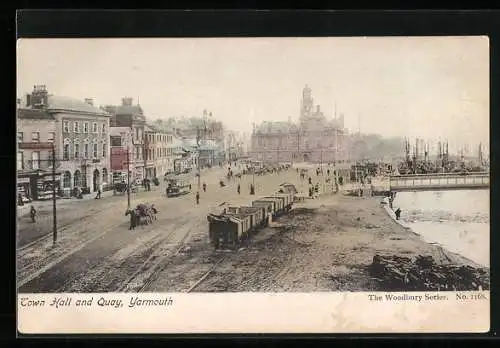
(97, 252)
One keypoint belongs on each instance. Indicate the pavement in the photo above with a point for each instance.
(95, 250)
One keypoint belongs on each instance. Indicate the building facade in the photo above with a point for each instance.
(80, 133)
(315, 138)
(121, 154)
(158, 151)
(132, 116)
(34, 163)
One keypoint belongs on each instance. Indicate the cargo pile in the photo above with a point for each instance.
(422, 274)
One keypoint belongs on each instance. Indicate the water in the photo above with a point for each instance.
(457, 220)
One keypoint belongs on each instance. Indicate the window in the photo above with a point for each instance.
(35, 137)
(50, 137)
(19, 137)
(77, 150)
(116, 141)
(66, 126)
(20, 162)
(86, 127)
(94, 152)
(103, 128)
(75, 127)
(66, 152)
(104, 150)
(94, 127)
(86, 151)
(35, 160)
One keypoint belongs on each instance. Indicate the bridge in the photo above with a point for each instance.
(437, 182)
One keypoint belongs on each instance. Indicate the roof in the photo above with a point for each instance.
(34, 114)
(56, 103)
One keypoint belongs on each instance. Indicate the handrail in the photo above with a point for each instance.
(469, 174)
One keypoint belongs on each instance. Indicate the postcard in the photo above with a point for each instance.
(253, 185)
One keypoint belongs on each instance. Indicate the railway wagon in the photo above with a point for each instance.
(280, 203)
(273, 202)
(246, 222)
(267, 208)
(227, 230)
(289, 199)
(256, 213)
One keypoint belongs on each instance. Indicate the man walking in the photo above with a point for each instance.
(99, 190)
(238, 189)
(33, 213)
(197, 198)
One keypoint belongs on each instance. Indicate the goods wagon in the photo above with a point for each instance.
(273, 202)
(289, 198)
(280, 204)
(266, 206)
(227, 229)
(256, 213)
(287, 188)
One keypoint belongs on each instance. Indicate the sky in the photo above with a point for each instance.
(431, 87)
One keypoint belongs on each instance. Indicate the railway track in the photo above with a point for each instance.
(157, 262)
(53, 259)
(205, 276)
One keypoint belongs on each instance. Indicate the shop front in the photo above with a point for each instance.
(37, 185)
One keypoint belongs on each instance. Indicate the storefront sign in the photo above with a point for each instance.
(35, 146)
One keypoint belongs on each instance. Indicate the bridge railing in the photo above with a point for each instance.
(439, 181)
(442, 175)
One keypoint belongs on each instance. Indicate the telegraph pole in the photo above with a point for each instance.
(128, 177)
(54, 205)
(198, 161)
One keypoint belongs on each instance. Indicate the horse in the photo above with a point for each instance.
(146, 213)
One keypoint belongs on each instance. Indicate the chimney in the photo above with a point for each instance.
(38, 96)
(89, 101)
(126, 101)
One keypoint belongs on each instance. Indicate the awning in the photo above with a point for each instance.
(38, 173)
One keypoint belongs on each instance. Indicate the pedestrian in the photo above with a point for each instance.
(252, 189)
(33, 213)
(328, 172)
(310, 181)
(238, 189)
(204, 187)
(197, 198)
(99, 190)
(20, 200)
(133, 218)
(148, 183)
(398, 213)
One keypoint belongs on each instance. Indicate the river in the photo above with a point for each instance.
(457, 220)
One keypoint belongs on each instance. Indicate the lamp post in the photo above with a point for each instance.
(54, 205)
